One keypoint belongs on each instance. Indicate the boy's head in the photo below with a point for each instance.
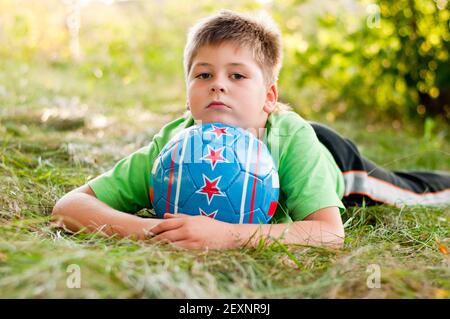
(234, 59)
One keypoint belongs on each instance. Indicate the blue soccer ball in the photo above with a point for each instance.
(216, 170)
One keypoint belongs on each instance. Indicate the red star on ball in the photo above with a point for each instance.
(219, 131)
(210, 188)
(214, 156)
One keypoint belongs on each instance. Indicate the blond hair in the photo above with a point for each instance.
(259, 34)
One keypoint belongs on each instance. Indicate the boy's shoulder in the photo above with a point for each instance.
(172, 128)
(285, 123)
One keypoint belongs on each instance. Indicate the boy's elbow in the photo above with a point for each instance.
(335, 243)
(339, 243)
(338, 238)
(58, 211)
(62, 214)
(67, 200)
(62, 206)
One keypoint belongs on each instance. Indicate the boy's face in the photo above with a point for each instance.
(229, 74)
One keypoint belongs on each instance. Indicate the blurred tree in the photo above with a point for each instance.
(422, 29)
(384, 58)
(393, 60)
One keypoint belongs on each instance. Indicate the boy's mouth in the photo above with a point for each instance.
(218, 105)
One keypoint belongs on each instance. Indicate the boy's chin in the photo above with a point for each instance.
(217, 119)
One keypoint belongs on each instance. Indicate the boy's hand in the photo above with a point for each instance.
(194, 232)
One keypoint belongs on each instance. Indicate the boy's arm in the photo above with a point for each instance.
(321, 228)
(80, 209)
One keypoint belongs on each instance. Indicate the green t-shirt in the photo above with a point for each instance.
(309, 177)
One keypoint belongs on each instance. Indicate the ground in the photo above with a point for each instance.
(58, 130)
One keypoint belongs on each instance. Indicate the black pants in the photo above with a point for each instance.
(366, 182)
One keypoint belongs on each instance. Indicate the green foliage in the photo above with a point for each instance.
(379, 59)
(388, 58)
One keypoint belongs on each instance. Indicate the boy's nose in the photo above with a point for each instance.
(217, 88)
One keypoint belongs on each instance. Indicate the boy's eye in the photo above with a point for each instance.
(238, 76)
(203, 76)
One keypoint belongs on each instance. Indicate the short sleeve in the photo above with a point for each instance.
(125, 186)
(307, 177)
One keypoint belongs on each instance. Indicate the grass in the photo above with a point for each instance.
(55, 136)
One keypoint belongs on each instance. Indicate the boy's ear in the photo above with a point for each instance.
(271, 98)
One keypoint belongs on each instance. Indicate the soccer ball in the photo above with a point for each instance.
(215, 170)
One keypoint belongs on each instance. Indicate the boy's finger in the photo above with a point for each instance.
(169, 236)
(177, 215)
(165, 226)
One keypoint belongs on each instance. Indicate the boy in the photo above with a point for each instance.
(231, 64)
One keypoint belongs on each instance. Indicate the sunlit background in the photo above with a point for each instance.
(377, 60)
(85, 83)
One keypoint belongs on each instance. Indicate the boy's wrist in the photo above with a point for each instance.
(149, 223)
(249, 235)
